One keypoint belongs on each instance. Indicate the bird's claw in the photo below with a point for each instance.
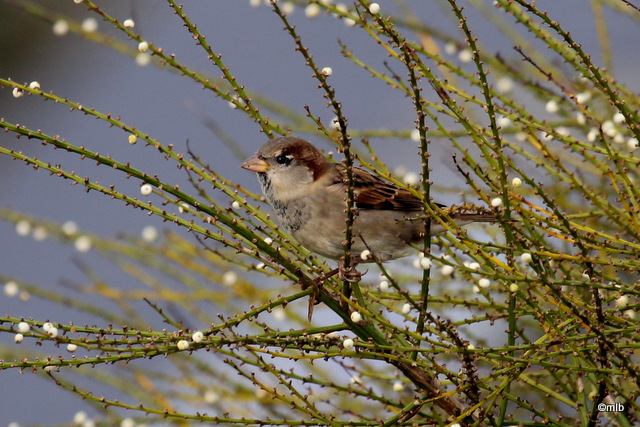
(350, 275)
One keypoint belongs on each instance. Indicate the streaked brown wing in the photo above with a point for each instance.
(372, 192)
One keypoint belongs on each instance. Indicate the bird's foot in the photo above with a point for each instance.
(350, 274)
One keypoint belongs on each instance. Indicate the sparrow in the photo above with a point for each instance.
(308, 194)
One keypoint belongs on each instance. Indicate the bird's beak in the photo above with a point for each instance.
(255, 164)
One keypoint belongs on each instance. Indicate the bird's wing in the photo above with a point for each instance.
(372, 192)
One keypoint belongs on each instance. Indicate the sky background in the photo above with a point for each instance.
(174, 109)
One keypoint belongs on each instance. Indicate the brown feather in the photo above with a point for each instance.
(373, 192)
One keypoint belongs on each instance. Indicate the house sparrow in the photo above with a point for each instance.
(308, 195)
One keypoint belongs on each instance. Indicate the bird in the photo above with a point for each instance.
(308, 194)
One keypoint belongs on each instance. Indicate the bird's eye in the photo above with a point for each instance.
(283, 159)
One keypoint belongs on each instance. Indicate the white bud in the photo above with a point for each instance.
(288, 8)
(279, 313)
(11, 289)
(127, 422)
(197, 336)
(327, 71)
(143, 46)
(52, 332)
(236, 205)
(334, 124)
(384, 285)
(622, 301)
(583, 97)
(229, 278)
(526, 257)
(146, 189)
(83, 244)
(551, 106)
(514, 287)
(618, 118)
(474, 266)
(465, 55)
(60, 27)
(89, 25)
(505, 84)
(398, 386)
(496, 202)
(424, 263)
(69, 228)
(503, 121)
(374, 8)
(349, 22)
(17, 338)
(23, 227)
(365, 255)
(312, 10)
(24, 327)
(450, 48)
(632, 143)
(17, 92)
(348, 344)
(516, 182)
(411, 178)
(79, 417)
(447, 270)
(40, 234)
(128, 23)
(609, 128)
(211, 397)
(183, 345)
(143, 59)
(406, 308)
(149, 233)
(34, 85)
(484, 282)
(356, 317)
(71, 347)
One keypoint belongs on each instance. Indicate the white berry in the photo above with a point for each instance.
(484, 282)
